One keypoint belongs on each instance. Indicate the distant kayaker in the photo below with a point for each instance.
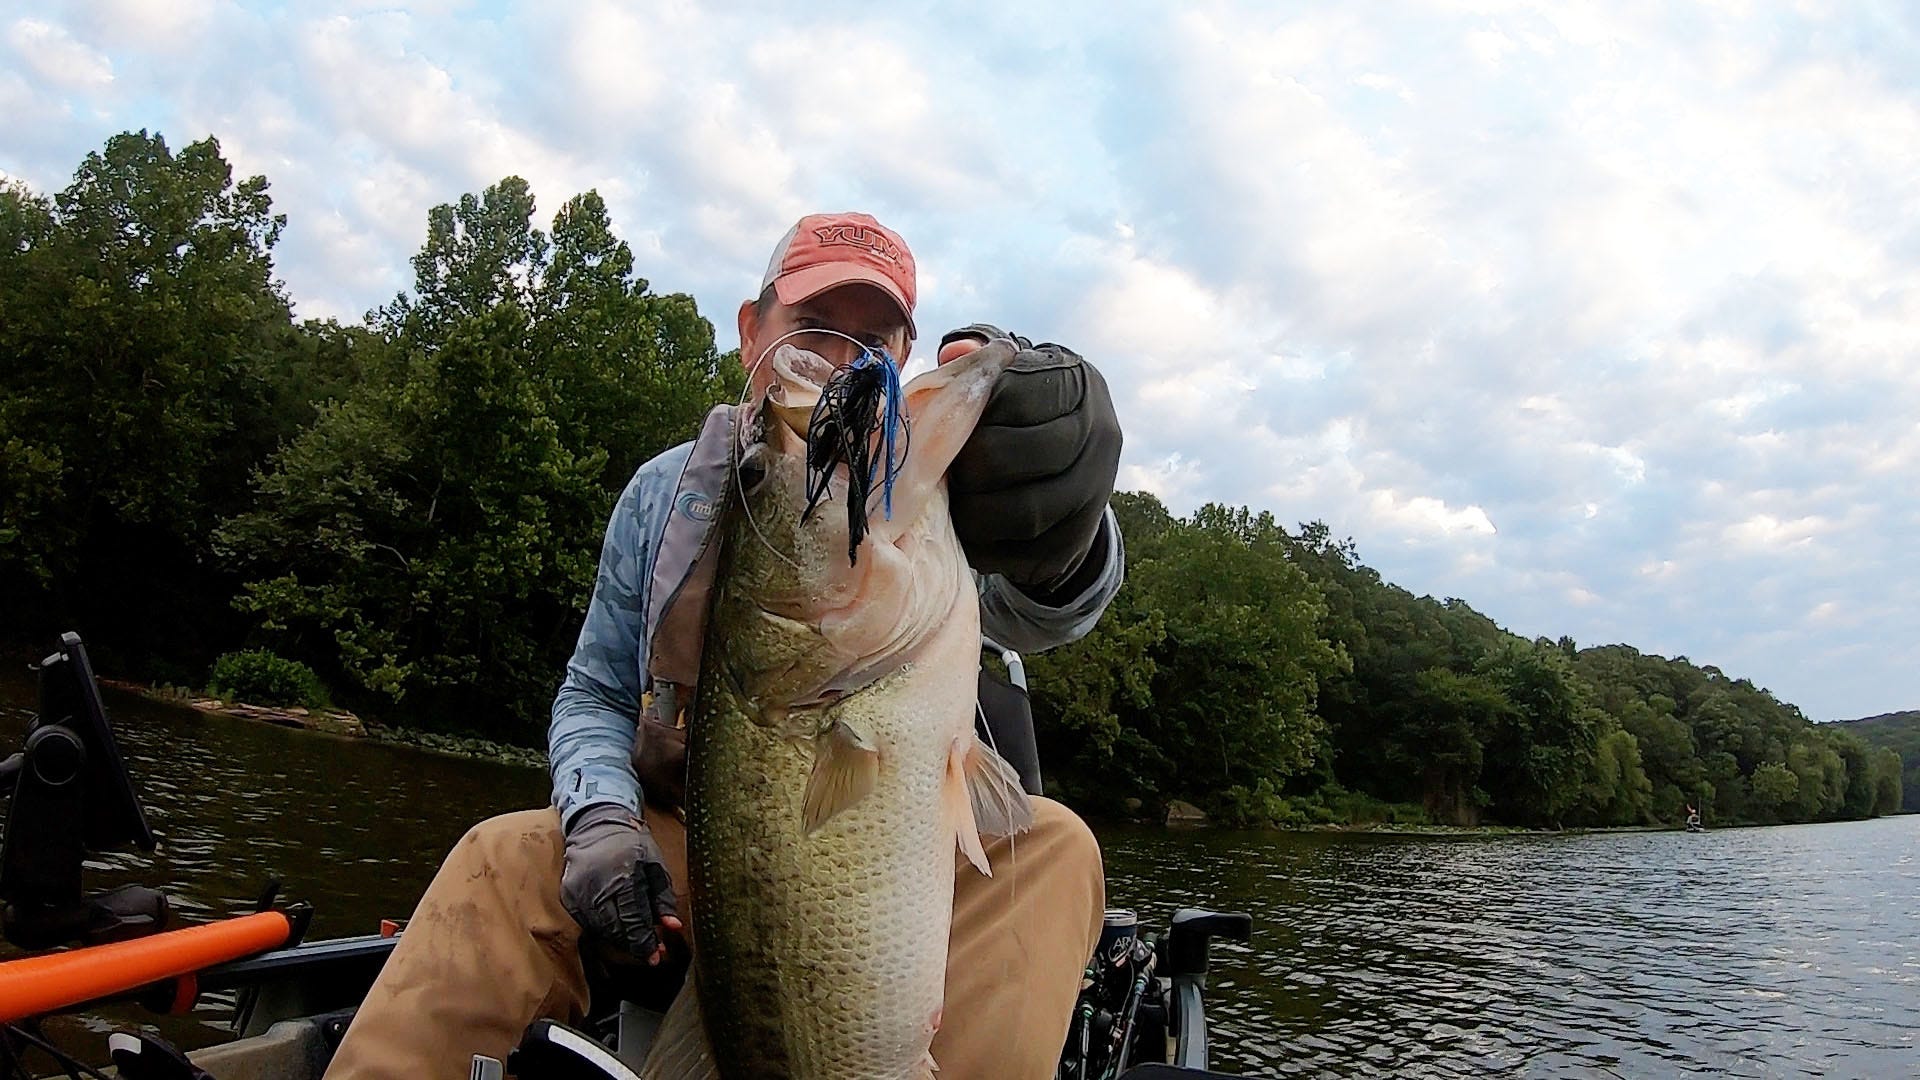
(495, 942)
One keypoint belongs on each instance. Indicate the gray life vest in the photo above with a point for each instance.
(685, 563)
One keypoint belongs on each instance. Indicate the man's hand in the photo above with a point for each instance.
(616, 885)
(1030, 486)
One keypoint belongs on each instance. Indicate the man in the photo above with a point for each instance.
(495, 942)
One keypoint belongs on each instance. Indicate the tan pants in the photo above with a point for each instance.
(490, 949)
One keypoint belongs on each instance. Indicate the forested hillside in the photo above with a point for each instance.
(412, 505)
(1276, 677)
(1899, 732)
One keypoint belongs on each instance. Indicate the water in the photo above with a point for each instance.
(1750, 952)
(355, 828)
(1744, 952)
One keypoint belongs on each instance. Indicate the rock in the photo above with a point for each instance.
(1133, 805)
(338, 722)
(1185, 814)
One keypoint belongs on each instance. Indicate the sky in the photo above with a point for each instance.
(1602, 318)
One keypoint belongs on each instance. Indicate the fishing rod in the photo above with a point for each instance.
(1120, 1039)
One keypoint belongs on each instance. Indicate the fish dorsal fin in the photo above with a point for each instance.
(846, 765)
(982, 795)
(680, 1050)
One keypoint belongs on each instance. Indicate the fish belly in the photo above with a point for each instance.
(824, 955)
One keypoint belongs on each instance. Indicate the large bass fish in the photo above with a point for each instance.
(833, 765)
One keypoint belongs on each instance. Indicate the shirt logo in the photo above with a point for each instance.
(696, 506)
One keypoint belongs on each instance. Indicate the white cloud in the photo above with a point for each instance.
(1170, 479)
(1425, 514)
(1490, 46)
(1764, 532)
(1826, 611)
(52, 54)
(154, 24)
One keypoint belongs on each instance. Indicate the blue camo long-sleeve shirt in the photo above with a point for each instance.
(590, 740)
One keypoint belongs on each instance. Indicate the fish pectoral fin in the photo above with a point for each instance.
(925, 1069)
(957, 806)
(983, 797)
(846, 765)
(1000, 804)
(680, 1049)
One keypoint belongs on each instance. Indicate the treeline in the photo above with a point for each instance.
(1900, 733)
(1274, 678)
(412, 505)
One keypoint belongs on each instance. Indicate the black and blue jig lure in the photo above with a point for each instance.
(860, 421)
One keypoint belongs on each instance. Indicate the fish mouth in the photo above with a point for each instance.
(847, 423)
(797, 419)
(794, 395)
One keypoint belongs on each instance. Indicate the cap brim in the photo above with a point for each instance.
(799, 286)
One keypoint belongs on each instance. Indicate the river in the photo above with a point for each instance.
(1742, 952)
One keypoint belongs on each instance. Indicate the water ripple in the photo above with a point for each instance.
(1750, 952)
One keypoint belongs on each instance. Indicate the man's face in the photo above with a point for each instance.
(861, 312)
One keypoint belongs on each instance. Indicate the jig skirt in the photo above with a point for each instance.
(860, 421)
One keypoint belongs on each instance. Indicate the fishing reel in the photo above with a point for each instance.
(1121, 1016)
(1140, 1005)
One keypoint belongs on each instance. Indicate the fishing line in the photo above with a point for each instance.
(1013, 855)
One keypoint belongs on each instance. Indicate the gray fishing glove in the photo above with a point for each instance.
(1029, 488)
(616, 883)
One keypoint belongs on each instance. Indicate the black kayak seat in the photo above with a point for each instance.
(1005, 721)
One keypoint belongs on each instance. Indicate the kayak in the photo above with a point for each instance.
(1141, 1014)
(1141, 1018)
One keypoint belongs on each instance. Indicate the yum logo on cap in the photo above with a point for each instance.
(860, 236)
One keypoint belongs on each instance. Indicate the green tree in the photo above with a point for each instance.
(1238, 672)
(141, 340)
(481, 251)
(434, 534)
(1542, 754)
(1440, 739)
(1204, 675)
(1773, 790)
(1666, 747)
(1618, 793)
(1887, 781)
(1899, 732)
(431, 539)
(1822, 776)
(1857, 765)
(627, 371)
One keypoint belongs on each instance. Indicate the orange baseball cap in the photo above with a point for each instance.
(825, 251)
